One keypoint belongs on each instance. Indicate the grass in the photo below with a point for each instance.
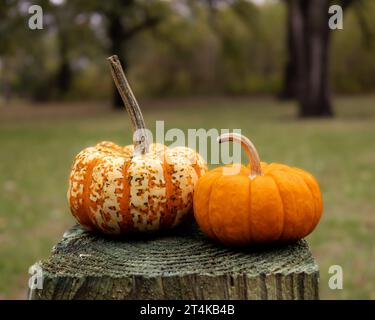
(36, 156)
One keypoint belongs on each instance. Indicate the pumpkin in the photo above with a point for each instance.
(137, 188)
(262, 203)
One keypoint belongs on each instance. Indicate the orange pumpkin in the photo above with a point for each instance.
(260, 204)
(137, 188)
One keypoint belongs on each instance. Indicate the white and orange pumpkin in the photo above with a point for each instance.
(136, 188)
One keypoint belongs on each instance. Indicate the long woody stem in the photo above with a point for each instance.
(140, 139)
(250, 149)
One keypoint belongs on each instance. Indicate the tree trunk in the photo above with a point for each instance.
(118, 41)
(289, 90)
(120, 35)
(64, 73)
(309, 38)
(316, 101)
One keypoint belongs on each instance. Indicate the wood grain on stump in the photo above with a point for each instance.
(182, 264)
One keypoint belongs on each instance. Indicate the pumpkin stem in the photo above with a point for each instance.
(140, 139)
(252, 153)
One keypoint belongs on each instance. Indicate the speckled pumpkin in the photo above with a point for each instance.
(262, 203)
(136, 188)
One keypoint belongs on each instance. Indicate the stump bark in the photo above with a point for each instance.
(183, 264)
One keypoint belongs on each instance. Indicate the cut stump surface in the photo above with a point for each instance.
(182, 264)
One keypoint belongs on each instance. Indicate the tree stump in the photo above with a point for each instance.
(182, 264)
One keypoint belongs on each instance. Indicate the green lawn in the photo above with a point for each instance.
(36, 156)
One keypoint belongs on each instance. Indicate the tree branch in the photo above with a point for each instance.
(147, 23)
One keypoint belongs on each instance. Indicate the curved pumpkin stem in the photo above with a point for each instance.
(140, 139)
(252, 153)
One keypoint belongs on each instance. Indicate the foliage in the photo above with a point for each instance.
(238, 48)
(353, 52)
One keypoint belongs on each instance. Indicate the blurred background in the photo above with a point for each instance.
(303, 93)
